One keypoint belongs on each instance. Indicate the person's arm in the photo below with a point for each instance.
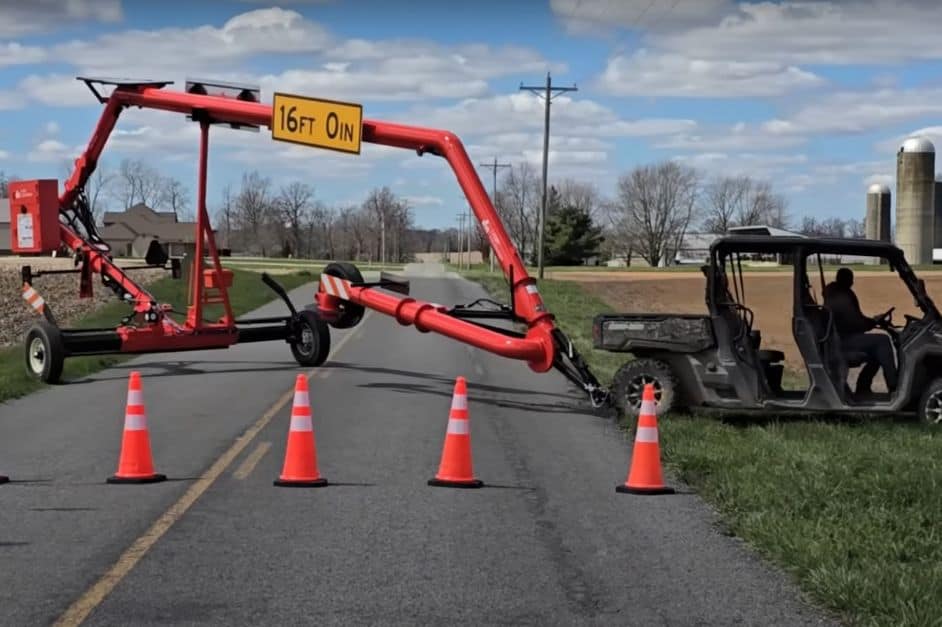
(848, 318)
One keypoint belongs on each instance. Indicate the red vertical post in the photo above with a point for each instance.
(195, 311)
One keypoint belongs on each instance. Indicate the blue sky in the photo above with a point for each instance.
(815, 96)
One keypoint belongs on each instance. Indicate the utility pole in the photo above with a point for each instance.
(461, 218)
(382, 241)
(494, 167)
(548, 93)
(469, 238)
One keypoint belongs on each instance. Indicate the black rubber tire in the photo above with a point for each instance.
(350, 313)
(316, 353)
(45, 340)
(627, 386)
(930, 404)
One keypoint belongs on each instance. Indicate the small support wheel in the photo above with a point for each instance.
(350, 313)
(45, 352)
(628, 386)
(312, 339)
(930, 405)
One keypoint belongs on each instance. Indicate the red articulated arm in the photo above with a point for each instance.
(537, 348)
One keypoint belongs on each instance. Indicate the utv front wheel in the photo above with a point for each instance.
(628, 386)
(930, 405)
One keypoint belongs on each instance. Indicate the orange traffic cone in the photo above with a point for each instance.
(135, 464)
(644, 476)
(455, 470)
(300, 469)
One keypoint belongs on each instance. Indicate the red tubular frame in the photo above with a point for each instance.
(536, 348)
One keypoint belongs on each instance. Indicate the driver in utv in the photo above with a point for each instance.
(852, 326)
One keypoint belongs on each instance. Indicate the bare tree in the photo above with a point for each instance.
(226, 213)
(579, 195)
(518, 202)
(742, 201)
(855, 229)
(294, 205)
(654, 207)
(175, 196)
(254, 209)
(137, 182)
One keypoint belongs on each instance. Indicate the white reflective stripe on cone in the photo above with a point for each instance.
(458, 427)
(301, 399)
(29, 293)
(135, 422)
(646, 434)
(301, 423)
(135, 397)
(39, 303)
(459, 401)
(648, 408)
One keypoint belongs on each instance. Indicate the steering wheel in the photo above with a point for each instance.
(885, 319)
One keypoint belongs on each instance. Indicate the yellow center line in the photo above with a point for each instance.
(247, 466)
(93, 597)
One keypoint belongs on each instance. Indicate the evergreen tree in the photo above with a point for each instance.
(571, 236)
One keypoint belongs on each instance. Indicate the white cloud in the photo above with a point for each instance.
(170, 51)
(52, 128)
(421, 201)
(22, 17)
(51, 151)
(740, 136)
(892, 145)
(54, 90)
(647, 73)
(593, 16)
(859, 111)
(761, 166)
(12, 53)
(4, 154)
(847, 32)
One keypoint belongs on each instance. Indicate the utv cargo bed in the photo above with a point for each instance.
(681, 333)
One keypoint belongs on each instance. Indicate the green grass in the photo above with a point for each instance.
(247, 293)
(851, 509)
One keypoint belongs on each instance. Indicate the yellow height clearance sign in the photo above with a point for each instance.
(316, 122)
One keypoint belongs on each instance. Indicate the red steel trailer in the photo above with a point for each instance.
(342, 294)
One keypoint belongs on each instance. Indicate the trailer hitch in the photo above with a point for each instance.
(573, 366)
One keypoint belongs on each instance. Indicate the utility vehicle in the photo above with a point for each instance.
(717, 361)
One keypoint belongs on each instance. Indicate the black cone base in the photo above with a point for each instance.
(4, 479)
(626, 490)
(314, 483)
(155, 478)
(442, 483)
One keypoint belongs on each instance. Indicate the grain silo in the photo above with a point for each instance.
(915, 199)
(877, 222)
(937, 215)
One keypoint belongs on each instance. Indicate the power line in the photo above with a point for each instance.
(547, 92)
(494, 167)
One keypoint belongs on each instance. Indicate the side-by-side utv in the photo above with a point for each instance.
(716, 360)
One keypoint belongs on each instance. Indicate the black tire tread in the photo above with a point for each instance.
(55, 351)
(669, 402)
(934, 387)
(350, 313)
(321, 338)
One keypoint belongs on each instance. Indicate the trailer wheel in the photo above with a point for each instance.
(628, 386)
(45, 352)
(350, 313)
(313, 339)
(930, 405)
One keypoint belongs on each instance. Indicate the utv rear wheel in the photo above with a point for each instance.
(930, 405)
(628, 386)
(350, 313)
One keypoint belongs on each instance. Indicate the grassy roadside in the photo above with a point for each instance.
(850, 509)
(247, 293)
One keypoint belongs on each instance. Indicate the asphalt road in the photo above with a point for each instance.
(547, 542)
